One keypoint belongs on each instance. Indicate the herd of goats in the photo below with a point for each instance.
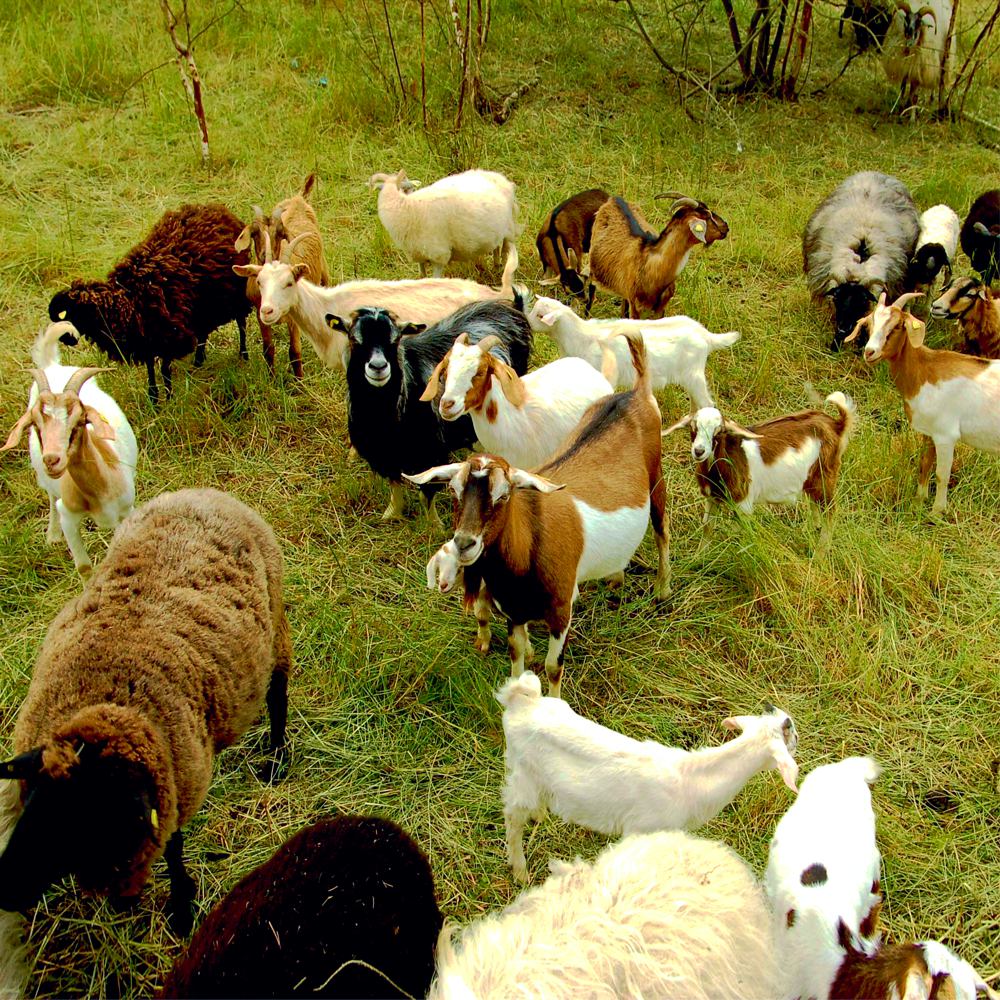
(179, 638)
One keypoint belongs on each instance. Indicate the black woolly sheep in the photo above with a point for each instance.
(165, 658)
(981, 235)
(166, 296)
(345, 908)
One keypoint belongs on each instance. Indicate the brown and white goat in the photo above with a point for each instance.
(977, 310)
(773, 462)
(948, 397)
(564, 239)
(526, 540)
(629, 259)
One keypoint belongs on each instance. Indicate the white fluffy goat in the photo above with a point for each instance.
(662, 915)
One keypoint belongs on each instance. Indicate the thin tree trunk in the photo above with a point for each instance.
(188, 69)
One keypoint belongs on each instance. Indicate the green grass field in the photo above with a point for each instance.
(889, 647)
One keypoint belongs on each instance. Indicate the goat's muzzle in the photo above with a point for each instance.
(449, 410)
(469, 547)
(55, 463)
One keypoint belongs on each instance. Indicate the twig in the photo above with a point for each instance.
(843, 69)
(188, 70)
(392, 46)
(680, 74)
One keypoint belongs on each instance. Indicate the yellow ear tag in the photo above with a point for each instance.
(62, 315)
(154, 819)
(699, 227)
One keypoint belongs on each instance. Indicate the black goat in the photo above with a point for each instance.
(167, 295)
(565, 237)
(387, 371)
(345, 908)
(981, 235)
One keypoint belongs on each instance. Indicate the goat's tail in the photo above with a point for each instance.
(847, 418)
(45, 350)
(637, 348)
(307, 186)
(519, 690)
(716, 341)
(507, 281)
(866, 767)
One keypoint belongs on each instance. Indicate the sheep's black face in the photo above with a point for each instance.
(374, 338)
(86, 312)
(851, 302)
(926, 263)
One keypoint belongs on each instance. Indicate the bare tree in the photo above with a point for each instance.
(187, 67)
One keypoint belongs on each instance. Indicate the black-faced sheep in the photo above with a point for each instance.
(165, 658)
(167, 295)
(981, 235)
(345, 908)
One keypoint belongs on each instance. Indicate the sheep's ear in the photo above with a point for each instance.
(24, 767)
(528, 481)
(243, 240)
(246, 270)
(685, 421)
(698, 229)
(915, 330)
(100, 426)
(433, 383)
(510, 384)
(439, 474)
(335, 322)
(14, 438)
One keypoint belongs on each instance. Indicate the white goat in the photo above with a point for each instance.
(523, 419)
(613, 784)
(285, 292)
(662, 915)
(444, 568)
(676, 347)
(913, 46)
(83, 452)
(458, 218)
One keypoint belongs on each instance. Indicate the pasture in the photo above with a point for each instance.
(889, 647)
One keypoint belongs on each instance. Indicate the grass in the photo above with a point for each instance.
(890, 647)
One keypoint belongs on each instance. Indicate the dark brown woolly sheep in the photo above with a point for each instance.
(165, 658)
(981, 235)
(345, 908)
(167, 295)
(565, 237)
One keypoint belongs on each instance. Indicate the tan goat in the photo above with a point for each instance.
(977, 310)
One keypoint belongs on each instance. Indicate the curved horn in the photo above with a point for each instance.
(41, 380)
(268, 258)
(684, 202)
(376, 181)
(258, 214)
(905, 297)
(927, 10)
(668, 194)
(76, 380)
(489, 341)
(288, 249)
(903, 6)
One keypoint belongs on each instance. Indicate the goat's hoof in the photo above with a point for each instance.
(521, 874)
(481, 646)
(244, 355)
(391, 514)
(180, 915)
(275, 768)
(85, 570)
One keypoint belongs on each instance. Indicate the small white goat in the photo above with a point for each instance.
(83, 452)
(523, 419)
(676, 347)
(462, 217)
(594, 776)
(444, 568)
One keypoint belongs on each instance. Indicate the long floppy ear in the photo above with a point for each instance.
(243, 240)
(865, 321)
(528, 481)
(915, 329)
(433, 383)
(510, 384)
(410, 329)
(246, 270)
(101, 428)
(14, 438)
(24, 766)
(787, 767)
(685, 421)
(439, 474)
(740, 432)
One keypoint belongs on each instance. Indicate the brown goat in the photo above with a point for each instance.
(977, 310)
(563, 240)
(629, 259)
(527, 539)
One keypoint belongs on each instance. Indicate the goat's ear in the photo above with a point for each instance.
(740, 432)
(24, 766)
(246, 270)
(335, 322)
(510, 384)
(915, 330)
(545, 282)
(439, 474)
(736, 722)
(14, 438)
(433, 383)
(411, 329)
(549, 318)
(100, 426)
(243, 240)
(685, 421)
(528, 481)
(699, 229)
(787, 768)
(865, 321)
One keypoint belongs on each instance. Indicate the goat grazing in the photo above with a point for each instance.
(948, 397)
(167, 295)
(387, 373)
(677, 348)
(773, 462)
(523, 420)
(525, 542)
(628, 259)
(462, 217)
(981, 235)
(664, 915)
(977, 310)
(936, 247)
(587, 774)
(345, 908)
(913, 49)
(564, 239)
(164, 659)
(83, 450)
(857, 244)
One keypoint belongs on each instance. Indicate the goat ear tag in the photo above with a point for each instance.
(62, 315)
(698, 229)
(154, 819)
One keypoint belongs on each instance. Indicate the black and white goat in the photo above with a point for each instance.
(936, 247)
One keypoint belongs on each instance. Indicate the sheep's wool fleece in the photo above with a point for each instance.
(662, 915)
(167, 654)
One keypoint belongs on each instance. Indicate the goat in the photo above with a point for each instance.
(981, 235)
(564, 239)
(870, 19)
(83, 450)
(858, 243)
(677, 348)
(527, 539)
(913, 49)
(773, 462)
(166, 296)
(163, 660)
(977, 311)
(285, 292)
(935, 249)
(557, 760)
(523, 420)
(630, 260)
(444, 568)
(948, 397)
(458, 218)
(388, 369)
(663, 915)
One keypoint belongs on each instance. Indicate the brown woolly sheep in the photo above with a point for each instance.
(167, 295)
(165, 658)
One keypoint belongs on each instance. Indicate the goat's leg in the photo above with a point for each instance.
(483, 610)
(180, 908)
(71, 522)
(295, 349)
(267, 346)
(626, 309)
(945, 456)
(515, 819)
(199, 351)
(427, 500)
(423, 269)
(437, 270)
(151, 390)
(517, 647)
(53, 533)
(661, 529)
(926, 461)
(558, 623)
(241, 325)
(168, 385)
(394, 512)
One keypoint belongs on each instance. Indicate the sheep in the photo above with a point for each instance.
(525, 542)
(981, 235)
(870, 19)
(166, 296)
(458, 218)
(293, 220)
(858, 243)
(564, 239)
(662, 915)
(83, 450)
(523, 420)
(165, 658)
(285, 292)
(557, 760)
(977, 311)
(913, 49)
(345, 908)
(677, 347)
(772, 462)
(935, 249)
(948, 397)
(388, 369)
(630, 260)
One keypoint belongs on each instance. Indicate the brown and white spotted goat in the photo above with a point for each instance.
(527, 539)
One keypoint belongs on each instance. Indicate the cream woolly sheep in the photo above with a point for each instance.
(913, 46)
(663, 915)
